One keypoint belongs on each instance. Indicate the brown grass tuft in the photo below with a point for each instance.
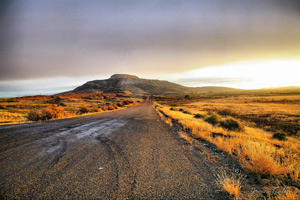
(230, 184)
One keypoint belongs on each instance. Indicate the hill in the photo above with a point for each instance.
(119, 83)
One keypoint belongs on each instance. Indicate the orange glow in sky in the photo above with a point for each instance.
(245, 75)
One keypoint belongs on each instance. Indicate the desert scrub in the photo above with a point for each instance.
(95, 109)
(105, 108)
(34, 116)
(199, 116)
(127, 102)
(230, 184)
(174, 109)
(213, 119)
(53, 112)
(111, 107)
(120, 104)
(83, 109)
(280, 136)
(187, 112)
(232, 124)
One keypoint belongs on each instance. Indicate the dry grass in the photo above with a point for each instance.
(16, 110)
(186, 138)
(274, 112)
(230, 184)
(253, 147)
(288, 194)
(165, 119)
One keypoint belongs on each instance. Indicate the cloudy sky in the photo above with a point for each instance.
(55, 45)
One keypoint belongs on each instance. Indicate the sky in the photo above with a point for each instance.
(52, 46)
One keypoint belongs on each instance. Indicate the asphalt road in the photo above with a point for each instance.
(123, 154)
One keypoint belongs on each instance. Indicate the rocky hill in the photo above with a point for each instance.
(118, 83)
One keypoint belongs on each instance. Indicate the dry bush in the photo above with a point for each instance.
(110, 107)
(187, 112)
(199, 116)
(83, 109)
(230, 184)
(232, 124)
(53, 112)
(115, 106)
(120, 104)
(105, 108)
(213, 119)
(280, 136)
(95, 109)
(34, 115)
(174, 108)
(127, 102)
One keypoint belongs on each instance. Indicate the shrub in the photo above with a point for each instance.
(232, 124)
(115, 106)
(53, 112)
(34, 116)
(225, 112)
(199, 115)
(120, 104)
(213, 119)
(83, 109)
(95, 109)
(127, 102)
(187, 112)
(2, 106)
(174, 109)
(110, 107)
(280, 136)
(105, 108)
(180, 109)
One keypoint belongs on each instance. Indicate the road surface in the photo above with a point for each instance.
(123, 154)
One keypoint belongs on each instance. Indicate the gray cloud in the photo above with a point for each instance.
(81, 38)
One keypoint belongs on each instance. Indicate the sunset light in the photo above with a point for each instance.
(244, 75)
(150, 99)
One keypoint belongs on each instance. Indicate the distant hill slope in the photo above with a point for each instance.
(128, 83)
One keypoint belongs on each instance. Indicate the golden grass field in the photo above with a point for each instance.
(253, 145)
(16, 110)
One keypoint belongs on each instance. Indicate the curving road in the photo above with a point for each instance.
(123, 154)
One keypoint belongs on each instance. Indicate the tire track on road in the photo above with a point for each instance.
(126, 182)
